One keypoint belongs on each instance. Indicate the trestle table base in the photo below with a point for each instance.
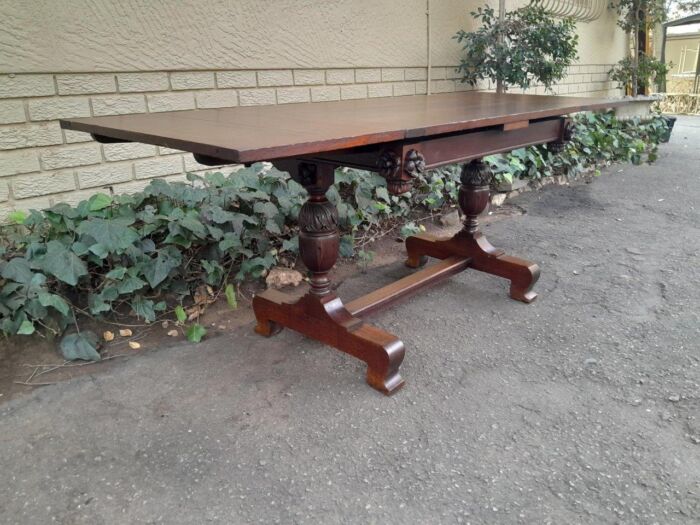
(321, 315)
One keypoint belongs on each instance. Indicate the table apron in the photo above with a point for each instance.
(468, 146)
(451, 148)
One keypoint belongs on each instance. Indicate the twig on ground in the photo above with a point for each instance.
(66, 364)
(378, 234)
(34, 384)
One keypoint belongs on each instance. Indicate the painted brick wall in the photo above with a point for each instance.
(41, 165)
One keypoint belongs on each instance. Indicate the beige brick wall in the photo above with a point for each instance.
(41, 165)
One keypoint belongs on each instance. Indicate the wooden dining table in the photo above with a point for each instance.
(397, 137)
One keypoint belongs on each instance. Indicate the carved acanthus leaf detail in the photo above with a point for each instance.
(318, 217)
(476, 173)
(414, 163)
(388, 164)
(567, 134)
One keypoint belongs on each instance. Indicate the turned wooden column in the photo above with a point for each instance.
(474, 193)
(319, 240)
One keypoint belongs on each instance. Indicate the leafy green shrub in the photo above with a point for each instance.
(528, 46)
(643, 72)
(145, 254)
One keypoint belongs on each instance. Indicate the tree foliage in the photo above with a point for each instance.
(683, 8)
(638, 71)
(528, 47)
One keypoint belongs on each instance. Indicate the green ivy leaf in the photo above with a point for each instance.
(130, 285)
(62, 263)
(195, 333)
(26, 328)
(215, 272)
(17, 269)
(268, 209)
(35, 309)
(272, 227)
(192, 223)
(116, 273)
(99, 250)
(97, 304)
(347, 246)
(214, 232)
(383, 194)
(157, 270)
(231, 296)
(230, 240)
(80, 248)
(54, 301)
(17, 217)
(180, 314)
(80, 346)
(221, 216)
(114, 235)
(143, 308)
(255, 266)
(99, 201)
(291, 245)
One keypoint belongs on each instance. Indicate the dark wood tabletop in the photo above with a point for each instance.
(257, 133)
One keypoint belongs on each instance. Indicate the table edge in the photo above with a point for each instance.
(247, 156)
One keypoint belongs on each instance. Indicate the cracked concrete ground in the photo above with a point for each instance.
(583, 407)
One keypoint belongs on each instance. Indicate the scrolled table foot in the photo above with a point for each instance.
(523, 295)
(387, 384)
(383, 354)
(267, 328)
(414, 260)
(521, 273)
(327, 320)
(526, 276)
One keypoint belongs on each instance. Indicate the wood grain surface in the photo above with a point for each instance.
(251, 134)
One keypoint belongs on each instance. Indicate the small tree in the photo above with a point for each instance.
(638, 71)
(521, 47)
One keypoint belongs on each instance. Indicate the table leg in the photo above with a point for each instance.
(320, 314)
(470, 241)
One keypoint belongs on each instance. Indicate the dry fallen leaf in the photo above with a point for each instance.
(173, 333)
(134, 345)
(108, 336)
(125, 332)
